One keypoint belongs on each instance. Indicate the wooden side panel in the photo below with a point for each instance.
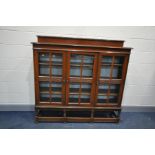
(124, 73)
(36, 79)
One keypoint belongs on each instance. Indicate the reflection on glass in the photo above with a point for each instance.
(103, 88)
(56, 71)
(73, 98)
(102, 99)
(105, 99)
(114, 88)
(87, 72)
(56, 86)
(112, 99)
(81, 65)
(44, 97)
(105, 71)
(107, 60)
(117, 72)
(119, 60)
(56, 98)
(85, 87)
(76, 59)
(84, 98)
(88, 59)
(44, 70)
(57, 59)
(43, 57)
(75, 71)
(44, 86)
(74, 87)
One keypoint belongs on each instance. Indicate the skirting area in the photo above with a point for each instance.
(25, 120)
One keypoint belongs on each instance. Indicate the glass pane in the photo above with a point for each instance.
(81, 63)
(76, 59)
(44, 97)
(74, 87)
(56, 98)
(86, 88)
(75, 71)
(87, 72)
(44, 70)
(107, 60)
(44, 86)
(114, 88)
(56, 70)
(103, 88)
(56, 86)
(105, 71)
(117, 72)
(73, 98)
(57, 59)
(101, 99)
(88, 59)
(44, 57)
(119, 60)
(84, 99)
(113, 99)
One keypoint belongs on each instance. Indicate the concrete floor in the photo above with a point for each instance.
(25, 120)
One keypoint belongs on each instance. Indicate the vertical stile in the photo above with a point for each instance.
(93, 90)
(67, 76)
(50, 76)
(63, 91)
(98, 72)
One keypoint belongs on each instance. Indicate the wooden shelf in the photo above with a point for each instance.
(76, 65)
(50, 106)
(49, 65)
(77, 93)
(110, 94)
(109, 64)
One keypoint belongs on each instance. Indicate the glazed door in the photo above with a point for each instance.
(110, 79)
(80, 78)
(51, 77)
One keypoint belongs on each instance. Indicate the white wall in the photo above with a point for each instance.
(16, 61)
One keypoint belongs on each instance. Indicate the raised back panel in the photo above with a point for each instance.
(80, 41)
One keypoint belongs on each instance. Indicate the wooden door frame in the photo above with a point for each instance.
(49, 78)
(117, 81)
(70, 79)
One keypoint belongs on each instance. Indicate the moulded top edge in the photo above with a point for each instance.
(63, 37)
(75, 45)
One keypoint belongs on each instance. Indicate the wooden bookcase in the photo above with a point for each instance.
(79, 80)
